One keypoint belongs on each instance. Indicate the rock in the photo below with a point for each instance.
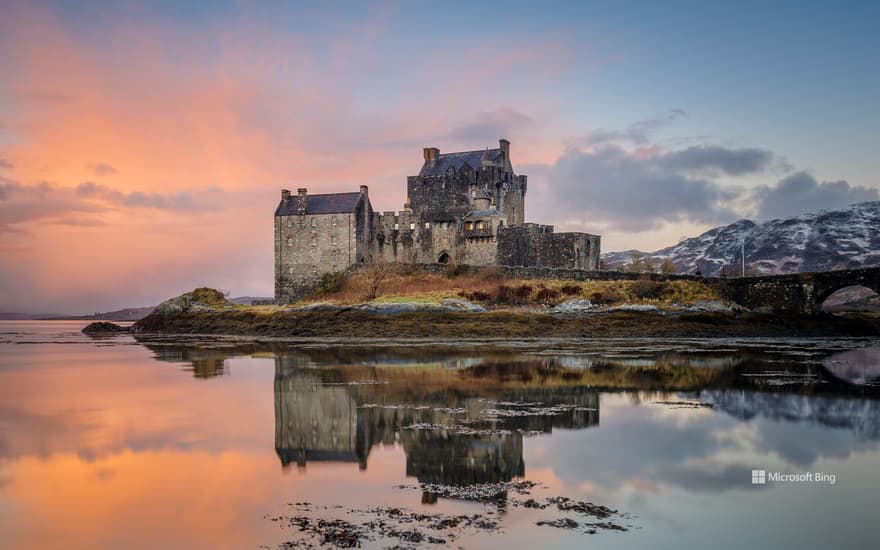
(714, 306)
(319, 306)
(401, 307)
(640, 308)
(199, 300)
(576, 305)
(103, 327)
(463, 305)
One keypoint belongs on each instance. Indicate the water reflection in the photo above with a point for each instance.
(666, 430)
(455, 438)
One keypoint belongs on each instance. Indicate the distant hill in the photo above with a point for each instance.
(847, 238)
(126, 314)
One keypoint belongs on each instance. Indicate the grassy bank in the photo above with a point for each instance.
(492, 289)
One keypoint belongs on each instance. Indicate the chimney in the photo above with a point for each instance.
(365, 190)
(301, 194)
(285, 195)
(430, 153)
(505, 146)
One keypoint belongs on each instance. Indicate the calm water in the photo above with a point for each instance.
(111, 442)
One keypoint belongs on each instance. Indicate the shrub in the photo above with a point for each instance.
(647, 289)
(453, 270)
(547, 296)
(521, 294)
(330, 283)
(476, 296)
(571, 290)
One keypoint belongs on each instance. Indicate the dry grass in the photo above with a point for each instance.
(416, 286)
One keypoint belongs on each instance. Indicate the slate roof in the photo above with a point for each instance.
(490, 212)
(330, 203)
(443, 162)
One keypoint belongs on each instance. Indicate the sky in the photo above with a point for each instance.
(143, 145)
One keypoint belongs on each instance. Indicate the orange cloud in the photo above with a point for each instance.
(152, 155)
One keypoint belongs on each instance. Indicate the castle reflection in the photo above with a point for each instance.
(449, 437)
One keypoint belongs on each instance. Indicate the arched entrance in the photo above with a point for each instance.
(851, 300)
(443, 258)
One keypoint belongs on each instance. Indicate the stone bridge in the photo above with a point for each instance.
(798, 292)
(795, 293)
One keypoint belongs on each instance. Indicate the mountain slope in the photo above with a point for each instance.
(833, 239)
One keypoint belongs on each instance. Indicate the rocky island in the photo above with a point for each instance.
(412, 303)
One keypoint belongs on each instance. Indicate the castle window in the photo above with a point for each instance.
(479, 225)
(315, 269)
(412, 226)
(445, 225)
(333, 240)
(473, 193)
(289, 222)
(468, 226)
(314, 241)
(314, 222)
(427, 225)
(333, 221)
(396, 226)
(289, 241)
(290, 270)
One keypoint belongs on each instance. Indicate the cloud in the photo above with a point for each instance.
(714, 160)
(637, 133)
(488, 127)
(626, 191)
(100, 169)
(4, 163)
(78, 205)
(801, 192)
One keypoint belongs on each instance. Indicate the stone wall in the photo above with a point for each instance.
(309, 245)
(537, 245)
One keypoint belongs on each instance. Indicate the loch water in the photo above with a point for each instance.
(209, 442)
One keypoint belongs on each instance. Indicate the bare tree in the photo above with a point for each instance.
(376, 276)
(667, 266)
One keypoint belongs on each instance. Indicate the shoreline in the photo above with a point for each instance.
(346, 322)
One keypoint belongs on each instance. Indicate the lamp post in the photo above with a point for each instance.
(743, 256)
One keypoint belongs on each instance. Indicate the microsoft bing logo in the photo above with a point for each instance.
(759, 477)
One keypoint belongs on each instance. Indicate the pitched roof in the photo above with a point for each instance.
(443, 162)
(330, 203)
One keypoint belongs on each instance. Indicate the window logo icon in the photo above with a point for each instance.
(759, 477)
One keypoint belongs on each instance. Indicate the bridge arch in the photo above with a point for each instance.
(828, 283)
(845, 298)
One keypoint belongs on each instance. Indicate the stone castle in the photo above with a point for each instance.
(462, 208)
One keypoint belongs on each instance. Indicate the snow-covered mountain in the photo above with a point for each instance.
(832, 239)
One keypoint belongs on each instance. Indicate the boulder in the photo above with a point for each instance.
(103, 327)
(456, 304)
(577, 305)
(199, 300)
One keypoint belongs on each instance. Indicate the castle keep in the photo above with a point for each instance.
(463, 208)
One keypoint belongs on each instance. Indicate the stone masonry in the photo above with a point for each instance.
(465, 208)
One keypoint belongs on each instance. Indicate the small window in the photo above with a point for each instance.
(479, 225)
(445, 225)
(396, 226)
(333, 240)
(290, 270)
(333, 221)
(289, 222)
(314, 222)
(315, 269)
(468, 226)
(412, 226)
(427, 225)
(314, 241)
(473, 194)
